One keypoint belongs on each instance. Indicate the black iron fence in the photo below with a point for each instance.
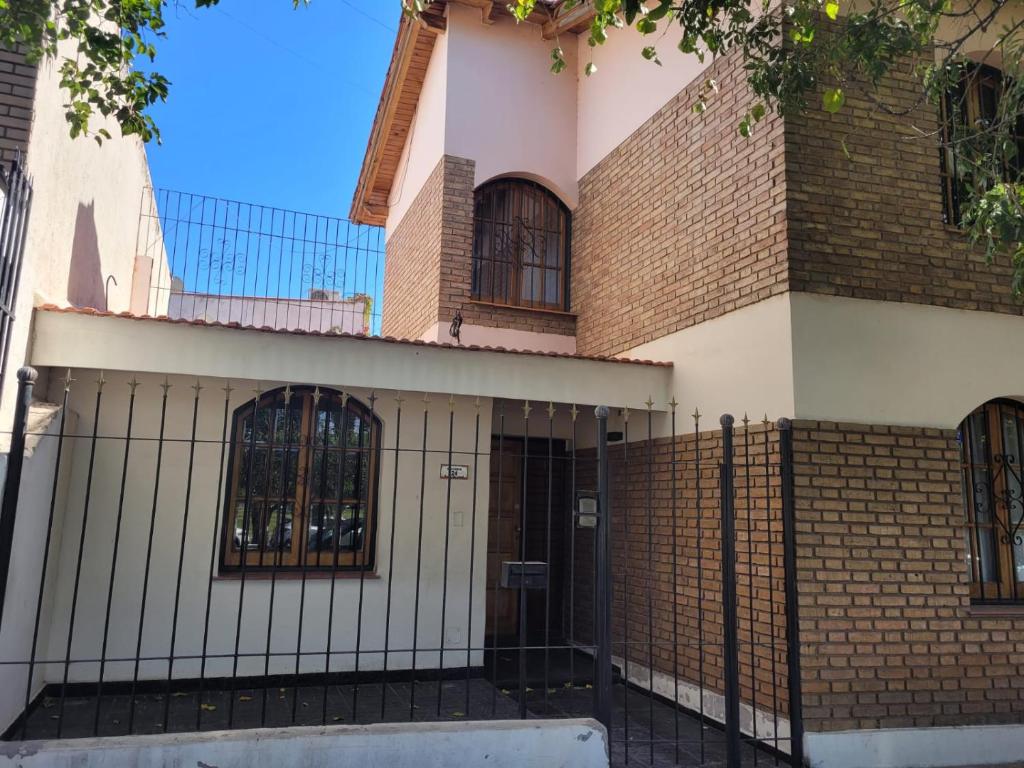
(226, 261)
(221, 555)
(16, 194)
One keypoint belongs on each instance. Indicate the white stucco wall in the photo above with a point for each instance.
(626, 89)
(204, 515)
(505, 109)
(425, 144)
(84, 218)
(27, 560)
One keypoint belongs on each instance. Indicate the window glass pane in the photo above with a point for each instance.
(278, 528)
(350, 530)
(326, 474)
(321, 527)
(247, 526)
(530, 290)
(253, 465)
(551, 287)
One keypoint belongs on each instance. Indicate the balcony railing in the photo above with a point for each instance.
(207, 258)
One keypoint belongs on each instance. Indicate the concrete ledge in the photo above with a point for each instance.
(976, 745)
(497, 744)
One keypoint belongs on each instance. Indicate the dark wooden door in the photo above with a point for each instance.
(503, 532)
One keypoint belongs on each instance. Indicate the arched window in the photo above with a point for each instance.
(520, 246)
(992, 441)
(302, 486)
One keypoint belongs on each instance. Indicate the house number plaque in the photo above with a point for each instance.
(454, 471)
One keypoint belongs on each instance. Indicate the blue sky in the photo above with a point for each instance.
(268, 104)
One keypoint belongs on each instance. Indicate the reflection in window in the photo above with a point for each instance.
(302, 472)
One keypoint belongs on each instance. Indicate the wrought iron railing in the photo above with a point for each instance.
(207, 258)
(202, 555)
(15, 204)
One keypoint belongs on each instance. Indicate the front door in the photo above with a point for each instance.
(503, 531)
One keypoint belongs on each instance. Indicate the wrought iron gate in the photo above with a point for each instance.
(650, 581)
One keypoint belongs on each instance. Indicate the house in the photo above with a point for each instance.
(546, 490)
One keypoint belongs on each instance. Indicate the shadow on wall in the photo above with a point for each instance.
(85, 275)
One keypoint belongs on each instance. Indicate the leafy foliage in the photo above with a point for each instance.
(834, 47)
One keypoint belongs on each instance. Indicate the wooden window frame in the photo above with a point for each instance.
(989, 478)
(968, 94)
(556, 221)
(306, 402)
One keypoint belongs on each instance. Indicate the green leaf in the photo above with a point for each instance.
(651, 54)
(832, 9)
(646, 26)
(757, 112)
(590, 69)
(833, 100)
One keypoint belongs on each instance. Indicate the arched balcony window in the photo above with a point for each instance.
(992, 443)
(302, 486)
(520, 246)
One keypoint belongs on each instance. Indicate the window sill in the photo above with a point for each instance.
(516, 307)
(996, 610)
(297, 575)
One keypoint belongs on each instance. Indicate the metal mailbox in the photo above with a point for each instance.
(531, 574)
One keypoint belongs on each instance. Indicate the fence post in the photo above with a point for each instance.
(729, 611)
(603, 587)
(796, 718)
(12, 480)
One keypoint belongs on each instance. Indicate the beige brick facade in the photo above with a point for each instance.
(17, 92)
(889, 637)
(871, 227)
(682, 222)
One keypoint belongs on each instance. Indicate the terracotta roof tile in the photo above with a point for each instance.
(362, 337)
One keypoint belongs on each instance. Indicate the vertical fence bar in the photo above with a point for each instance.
(100, 381)
(447, 541)
(149, 554)
(133, 385)
(419, 559)
(472, 555)
(46, 554)
(699, 481)
(391, 559)
(729, 610)
(771, 585)
(796, 721)
(675, 585)
(525, 471)
(603, 585)
(213, 553)
(12, 482)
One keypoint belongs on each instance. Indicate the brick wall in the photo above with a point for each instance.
(428, 270)
(889, 637)
(17, 92)
(412, 263)
(684, 221)
(871, 227)
(667, 606)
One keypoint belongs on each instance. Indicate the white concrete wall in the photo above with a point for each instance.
(26, 564)
(505, 109)
(501, 744)
(204, 516)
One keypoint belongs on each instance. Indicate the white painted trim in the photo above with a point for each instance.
(916, 747)
(509, 338)
(70, 340)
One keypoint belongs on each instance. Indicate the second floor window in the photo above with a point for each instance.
(972, 104)
(520, 246)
